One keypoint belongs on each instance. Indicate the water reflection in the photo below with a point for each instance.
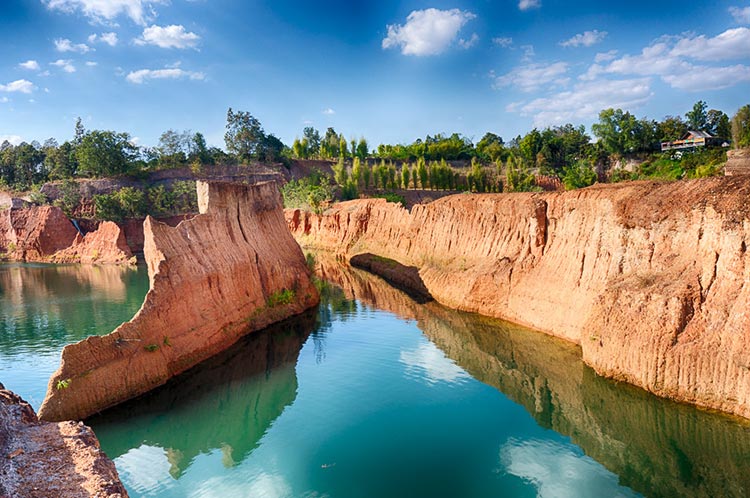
(44, 307)
(226, 403)
(657, 447)
(48, 306)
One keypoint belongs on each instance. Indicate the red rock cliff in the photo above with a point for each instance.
(230, 270)
(652, 280)
(34, 233)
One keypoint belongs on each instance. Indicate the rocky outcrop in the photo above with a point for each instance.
(738, 162)
(34, 233)
(105, 245)
(41, 460)
(651, 279)
(230, 270)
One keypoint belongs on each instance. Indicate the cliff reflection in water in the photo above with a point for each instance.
(656, 447)
(226, 403)
(48, 306)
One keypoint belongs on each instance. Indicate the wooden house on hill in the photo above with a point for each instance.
(693, 140)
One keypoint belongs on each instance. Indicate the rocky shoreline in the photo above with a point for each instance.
(46, 459)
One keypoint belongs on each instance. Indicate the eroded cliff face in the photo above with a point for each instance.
(40, 460)
(230, 270)
(34, 233)
(649, 278)
(105, 245)
(45, 234)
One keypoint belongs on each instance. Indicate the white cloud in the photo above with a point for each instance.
(64, 64)
(65, 45)
(430, 363)
(559, 471)
(173, 36)
(142, 75)
(731, 44)
(504, 42)
(585, 101)
(741, 14)
(91, 63)
(4, 100)
(329, 112)
(104, 11)
(22, 86)
(14, 139)
(669, 57)
(533, 76)
(427, 32)
(528, 53)
(466, 44)
(709, 78)
(31, 65)
(585, 39)
(605, 56)
(529, 4)
(108, 38)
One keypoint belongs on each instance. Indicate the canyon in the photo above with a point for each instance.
(230, 270)
(650, 279)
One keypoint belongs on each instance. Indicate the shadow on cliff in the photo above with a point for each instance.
(655, 446)
(227, 402)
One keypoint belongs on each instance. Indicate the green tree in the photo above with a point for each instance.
(491, 147)
(671, 128)
(518, 176)
(578, 175)
(718, 124)
(697, 119)
(244, 137)
(405, 175)
(313, 141)
(105, 153)
(362, 149)
(741, 127)
(61, 161)
(422, 173)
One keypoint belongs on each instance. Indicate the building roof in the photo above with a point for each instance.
(697, 134)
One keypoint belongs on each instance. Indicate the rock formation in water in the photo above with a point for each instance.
(651, 279)
(230, 270)
(43, 459)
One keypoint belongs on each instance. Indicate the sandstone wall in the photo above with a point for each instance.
(649, 278)
(105, 245)
(34, 233)
(230, 270)
(41, 460)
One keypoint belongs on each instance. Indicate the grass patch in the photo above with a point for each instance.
(278, 298)
(151, 347)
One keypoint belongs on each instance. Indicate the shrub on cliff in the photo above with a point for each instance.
(309, 193)
(578, 175)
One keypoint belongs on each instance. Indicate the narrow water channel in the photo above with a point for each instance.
(373, 395)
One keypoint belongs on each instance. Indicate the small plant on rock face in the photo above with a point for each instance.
(284, 296)
(63, 384)
(151, 347)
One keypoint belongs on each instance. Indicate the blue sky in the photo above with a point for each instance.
(388, 71)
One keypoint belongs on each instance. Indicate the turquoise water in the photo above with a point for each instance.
(44, 307)
(373, 395)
